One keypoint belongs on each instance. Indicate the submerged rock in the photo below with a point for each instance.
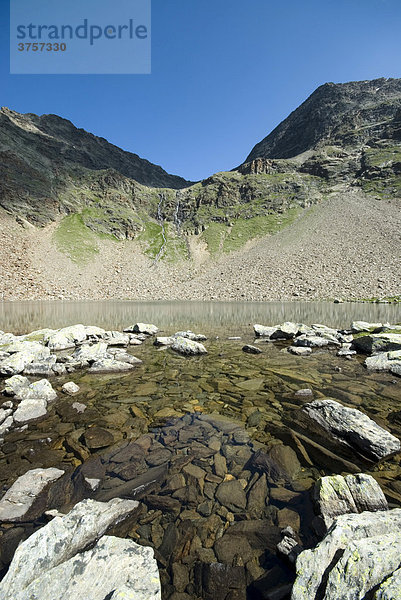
(251, 349)
(18, 503)
(351, 428)
(187, 347)
(358, 553)
(55, 562)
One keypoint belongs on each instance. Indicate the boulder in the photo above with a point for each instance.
(190, 335)
(70, 388)
(109, 365)
(384, 361)
(18, 503)
(18, 360)
(359, 552)
(67, 337)
(251, 349)
(299, 350)
(263, 331)
(163, 341)
(30, 409)
(351, 428)
(378, 342)
(146, 328)
(337, 495)
(55, 561)
(44, 367)
(287, 330)
(360, 326)
(313, 341)
(89, 353)
(116, 338)
(358, 557)
(187, 347)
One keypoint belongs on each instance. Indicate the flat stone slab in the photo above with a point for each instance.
(352, 428)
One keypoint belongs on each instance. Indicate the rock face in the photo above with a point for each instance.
(351, 428)
(335, 114)
(55, 561)
(359, 553)
(17, 504)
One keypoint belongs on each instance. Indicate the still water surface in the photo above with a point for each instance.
(20, 317)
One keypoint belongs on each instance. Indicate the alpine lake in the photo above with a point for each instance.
(172, 430)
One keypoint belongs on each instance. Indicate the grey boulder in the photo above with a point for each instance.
(55, 561)
(351, 428)
(187, 347)
(18, 502)
(358, 553)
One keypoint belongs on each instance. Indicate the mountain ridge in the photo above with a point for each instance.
(60, 178)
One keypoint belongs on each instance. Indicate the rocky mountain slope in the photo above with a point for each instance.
(93, 210)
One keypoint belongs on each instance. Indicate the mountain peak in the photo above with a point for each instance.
(343, 114)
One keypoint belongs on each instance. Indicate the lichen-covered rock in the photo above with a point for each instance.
(113, 568)
(337, 495)
(313, 566)
(22, 354)
(351, 427)
(17, 502)
(67, 337)
(365, 564)
(187, 347)
(56, 558)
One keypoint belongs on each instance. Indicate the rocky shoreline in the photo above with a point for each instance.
(228, 511)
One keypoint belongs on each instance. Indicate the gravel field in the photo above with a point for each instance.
(347, 247)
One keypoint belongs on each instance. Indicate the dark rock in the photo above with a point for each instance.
(251, 349)
(229, 546)
(163, 503)
(215, 580)
(158, 457)
(96, 437)
(231, 494)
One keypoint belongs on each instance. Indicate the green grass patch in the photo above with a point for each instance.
(75, 240)
(151, 238)
(221, 237)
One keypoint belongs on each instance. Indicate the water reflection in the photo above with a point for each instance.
(20, 317)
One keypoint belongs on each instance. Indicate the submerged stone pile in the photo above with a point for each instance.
(227, 515)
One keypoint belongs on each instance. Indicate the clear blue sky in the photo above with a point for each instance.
(224, 74)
